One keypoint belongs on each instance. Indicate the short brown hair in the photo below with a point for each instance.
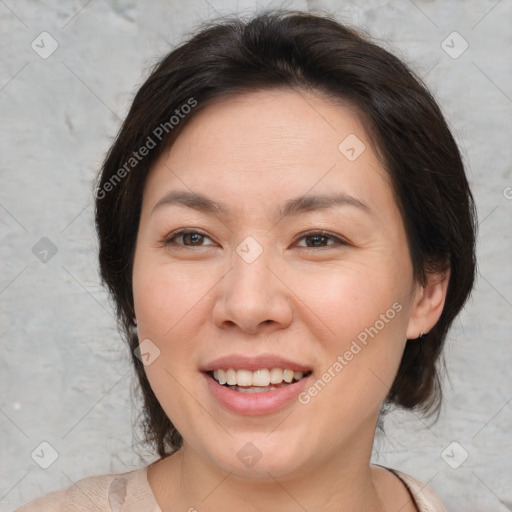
(299, 51)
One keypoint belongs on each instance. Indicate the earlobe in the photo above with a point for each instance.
(428, 304)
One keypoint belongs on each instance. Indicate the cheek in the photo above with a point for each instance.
(362, 312)
(171, 304)
(351, 297)
(167, 295)
(168, 305)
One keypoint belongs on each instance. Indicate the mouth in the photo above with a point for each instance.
(255, 384)
(258, 391)
(260, 381)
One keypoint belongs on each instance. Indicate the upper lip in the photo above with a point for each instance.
(253, 363)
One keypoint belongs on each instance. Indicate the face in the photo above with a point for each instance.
(244, 265)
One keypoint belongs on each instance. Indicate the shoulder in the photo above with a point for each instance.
(426, 499)
(103, 493)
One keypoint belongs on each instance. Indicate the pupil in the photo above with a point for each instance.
(317, 239)
(193, 237)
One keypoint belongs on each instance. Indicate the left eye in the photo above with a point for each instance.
(320, 239)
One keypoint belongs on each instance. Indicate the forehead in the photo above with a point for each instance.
(269, 145)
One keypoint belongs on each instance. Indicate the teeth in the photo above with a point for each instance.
(288, 375)
(276, 376)
(244, 378)
(255, 389)
(220, 375)
(260, 378)
(231, 377)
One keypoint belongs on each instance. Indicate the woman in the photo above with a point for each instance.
(287, 231)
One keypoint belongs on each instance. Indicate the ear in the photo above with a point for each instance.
(428, 304)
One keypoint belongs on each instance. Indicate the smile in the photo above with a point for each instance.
(251, 400)
(247, 381)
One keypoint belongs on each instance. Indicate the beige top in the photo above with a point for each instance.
(130, 492)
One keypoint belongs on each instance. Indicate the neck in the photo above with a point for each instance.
(188, 482)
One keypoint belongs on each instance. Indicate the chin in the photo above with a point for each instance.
(258, 455)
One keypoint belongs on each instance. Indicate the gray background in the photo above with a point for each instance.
(64, 371)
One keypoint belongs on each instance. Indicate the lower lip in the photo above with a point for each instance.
(255, 403)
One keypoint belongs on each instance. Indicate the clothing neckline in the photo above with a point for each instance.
(397, 474)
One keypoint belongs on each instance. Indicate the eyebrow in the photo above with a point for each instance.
(295, 206)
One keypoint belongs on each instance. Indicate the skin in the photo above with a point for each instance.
(253, 152)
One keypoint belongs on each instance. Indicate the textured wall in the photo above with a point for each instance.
(64, 371)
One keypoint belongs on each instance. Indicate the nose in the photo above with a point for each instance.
(253, 296)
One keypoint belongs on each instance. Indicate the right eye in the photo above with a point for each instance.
(186, 238)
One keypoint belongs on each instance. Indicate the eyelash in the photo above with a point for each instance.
(171, 238)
